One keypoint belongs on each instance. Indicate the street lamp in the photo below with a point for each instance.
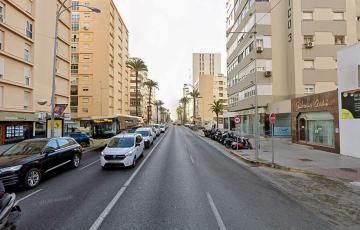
(59, 12)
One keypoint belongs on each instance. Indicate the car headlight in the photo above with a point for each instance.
(11, 169)
(102, 154)
(129, 153)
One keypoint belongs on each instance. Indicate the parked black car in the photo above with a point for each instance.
(81, 138)
(26, 162)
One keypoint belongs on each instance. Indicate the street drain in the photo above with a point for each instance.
(349, 170)
(305, 159)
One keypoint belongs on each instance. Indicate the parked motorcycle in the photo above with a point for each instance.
(9, 211)
(241, 143)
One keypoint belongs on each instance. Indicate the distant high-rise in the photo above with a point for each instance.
(206, 64)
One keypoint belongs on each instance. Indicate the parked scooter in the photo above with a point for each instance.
(241, 143)
(9, 211)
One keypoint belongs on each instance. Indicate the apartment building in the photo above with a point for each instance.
(206, 64)
(279, 50)
(211, 84)
(100, 80)
(143, 95)
(26, 66)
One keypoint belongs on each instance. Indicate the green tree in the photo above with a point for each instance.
(136, 65)
(179, 112)
(217, 107)
(195, 94)
(184, 101)
(151, 85)
(158, 104)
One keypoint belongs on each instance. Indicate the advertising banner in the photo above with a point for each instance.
(350, 104)
(58, 127)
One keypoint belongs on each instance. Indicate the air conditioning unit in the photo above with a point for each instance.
(86, 27)
(309, 45)
(259, 49)
(267, 73)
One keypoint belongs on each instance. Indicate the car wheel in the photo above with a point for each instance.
(32, 178)
(134, 163)
(75, 162)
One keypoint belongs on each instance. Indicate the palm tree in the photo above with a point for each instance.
(158, 104)
(184, 101)
(179, 112)
(162, 113)
(136, 65)
(150, 84)
(217, 107)
(195, 94)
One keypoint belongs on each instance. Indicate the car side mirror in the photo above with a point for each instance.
(137, 144)
(48, 151)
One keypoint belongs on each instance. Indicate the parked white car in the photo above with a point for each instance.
(123, 150)
(162, 128)
(148, 135)
(157, 128)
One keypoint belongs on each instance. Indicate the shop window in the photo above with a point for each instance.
(14, 131)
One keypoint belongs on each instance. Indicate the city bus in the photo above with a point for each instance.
(106, 127)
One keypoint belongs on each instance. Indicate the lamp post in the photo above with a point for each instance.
(59, 12)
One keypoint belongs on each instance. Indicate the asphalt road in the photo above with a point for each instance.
(181, 183)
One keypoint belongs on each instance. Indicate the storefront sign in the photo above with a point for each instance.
(311, 104)
(290, 22)
(282, 131)
(350, 104)
(58, 127)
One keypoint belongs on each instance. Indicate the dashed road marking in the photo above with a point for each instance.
(27, 196)
(216, 212)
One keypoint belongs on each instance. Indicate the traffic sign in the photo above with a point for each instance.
(237, 120)
(272, 118)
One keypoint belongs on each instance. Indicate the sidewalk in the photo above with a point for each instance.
(299, 158)
(94, 144)
(303, 158)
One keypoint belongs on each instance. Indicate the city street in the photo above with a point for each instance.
(181, 183)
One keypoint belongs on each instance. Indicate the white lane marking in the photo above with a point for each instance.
(96, 225)
(192, 160)
(216, 212)
(88, 165)
(27, 196)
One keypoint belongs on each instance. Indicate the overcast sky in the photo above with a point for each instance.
(165, 33)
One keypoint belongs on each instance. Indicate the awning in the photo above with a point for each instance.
(16, 116)
(317, 116)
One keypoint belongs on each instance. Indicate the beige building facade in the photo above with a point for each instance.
(279, 50)
(27, 31)
(100, 80)
(211, 88)
(206, 64)
(143, 95)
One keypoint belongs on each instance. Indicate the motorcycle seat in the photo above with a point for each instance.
(5, 201)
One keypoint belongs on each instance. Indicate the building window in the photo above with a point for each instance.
(74, 58)
(85, 89)
(309, 64)
(74, 48)
(74, 38)
(27, 76)
(308, 39)
(339, 40)
(1, 40)
(2, 68)
(27, 52)
(26, 100)
(87, 15)
(339, 16)
(85, 78)
(75, 5)
(75, 17)
(29, 29)
(2, 12)
(309, 89)
(74, 68)
(85, 100)
(308, 15)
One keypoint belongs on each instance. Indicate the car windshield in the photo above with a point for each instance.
(122, 142)
(26, 148)
(144, 133)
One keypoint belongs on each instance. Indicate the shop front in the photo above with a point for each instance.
(15, 127)
(315, 121)
(247, 122)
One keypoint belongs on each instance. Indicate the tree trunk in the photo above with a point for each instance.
(149, 105)
(217, 120)
(136, 93)
(194, 114)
